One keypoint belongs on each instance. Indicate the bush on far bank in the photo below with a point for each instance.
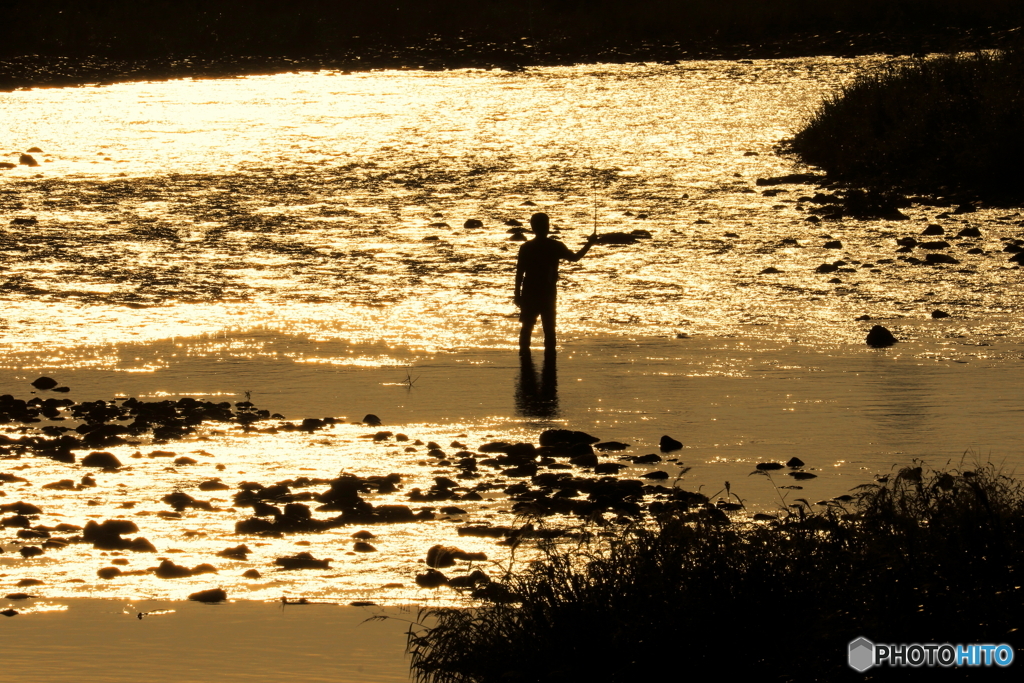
(948, 125)
(919, 557)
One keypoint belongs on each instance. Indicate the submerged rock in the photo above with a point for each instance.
(880, 337)
(211, 595)
(668, 444)
(302, 561)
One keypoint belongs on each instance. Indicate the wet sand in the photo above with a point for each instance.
(103, 641)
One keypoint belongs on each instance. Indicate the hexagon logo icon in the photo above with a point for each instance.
(862, 654)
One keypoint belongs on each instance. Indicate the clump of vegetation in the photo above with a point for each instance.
(920, 556)
(949, 125)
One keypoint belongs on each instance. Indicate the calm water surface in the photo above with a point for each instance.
(304, 237)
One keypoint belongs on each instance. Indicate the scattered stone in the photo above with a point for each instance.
(940, 258)
(880, 337)
(473, 224)
(19, 596)
(372, 420)
(794, 462)
(108, 573)
(431, 579)
(27, 160)
(934, 229)
(802, 475)
(9, 612)
(770, 270)
(656, 474)
(440, 556)
(252, 574)
(833, 244)
(302, 561)
(240, 552)
(768, 466)
(363, 547)
(939, 314)
(44, 383)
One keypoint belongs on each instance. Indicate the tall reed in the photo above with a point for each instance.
(945, 125)
(920, 557)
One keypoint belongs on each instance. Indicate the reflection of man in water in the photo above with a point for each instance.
(536, 279)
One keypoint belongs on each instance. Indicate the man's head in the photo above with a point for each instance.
(540, 224)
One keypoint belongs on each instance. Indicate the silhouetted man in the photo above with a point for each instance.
(536, 280)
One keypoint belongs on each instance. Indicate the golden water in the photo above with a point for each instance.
(266, 234)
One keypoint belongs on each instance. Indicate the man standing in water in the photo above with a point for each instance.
(536, 279)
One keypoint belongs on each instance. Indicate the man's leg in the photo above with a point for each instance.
(528, 320)
(547, 322)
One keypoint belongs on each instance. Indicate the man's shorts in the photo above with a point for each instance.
(531, 307)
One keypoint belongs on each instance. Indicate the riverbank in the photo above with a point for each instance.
(104, 641)
(946, 126)
(35, 71)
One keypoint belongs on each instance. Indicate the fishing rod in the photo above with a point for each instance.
(593, 186)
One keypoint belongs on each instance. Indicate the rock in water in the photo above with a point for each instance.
(880, 337)
(669, 444)
(372, 420)
(27, 160)
(44, 383)
(103, 459)
(211, 595)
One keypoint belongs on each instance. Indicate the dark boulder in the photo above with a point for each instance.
(104, 459)
(27, 160)
(933, 230)
(939, 314)
(668, 444)
(211, 595)
(880, 337)
(565, 437)
(933, 259)
(44, 383)
(473, 224)
(169, 570)
(372, 420)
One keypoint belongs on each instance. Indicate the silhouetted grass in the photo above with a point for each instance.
(922, 557)
(947, 125)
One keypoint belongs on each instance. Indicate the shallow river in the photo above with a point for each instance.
(302, 240)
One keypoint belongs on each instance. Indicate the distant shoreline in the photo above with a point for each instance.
(33, 71)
